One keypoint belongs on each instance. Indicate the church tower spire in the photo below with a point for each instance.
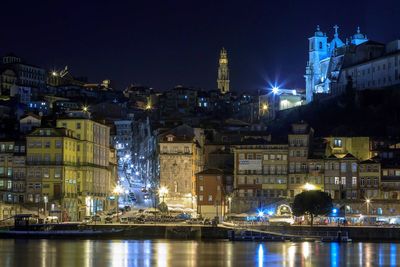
(223, 72)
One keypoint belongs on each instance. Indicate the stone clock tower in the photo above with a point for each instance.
(223, 72)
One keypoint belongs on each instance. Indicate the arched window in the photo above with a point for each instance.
(320, 45)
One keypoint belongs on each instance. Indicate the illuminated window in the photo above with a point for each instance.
(337, 143)
(210, 198)
(336, 180)
(201, 188)
(343, 180)
(354, 180)
(354, 167)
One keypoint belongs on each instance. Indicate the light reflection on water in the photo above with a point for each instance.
(166, 253)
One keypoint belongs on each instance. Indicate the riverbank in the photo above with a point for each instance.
(199, 232)
(139, 231)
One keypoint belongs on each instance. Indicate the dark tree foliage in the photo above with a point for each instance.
(312, 203)
(163, 207)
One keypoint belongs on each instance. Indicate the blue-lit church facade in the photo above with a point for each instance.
(325, 59)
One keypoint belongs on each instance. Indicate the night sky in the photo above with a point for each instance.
(165, 43)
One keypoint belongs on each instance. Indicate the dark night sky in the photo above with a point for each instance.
(165, 43)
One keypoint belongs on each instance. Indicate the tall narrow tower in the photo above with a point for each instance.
(223, 72)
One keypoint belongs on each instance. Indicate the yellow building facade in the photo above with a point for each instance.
(51, 181)
(95, 178)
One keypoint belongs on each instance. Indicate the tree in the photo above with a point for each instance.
(312, 203)
(163, 207)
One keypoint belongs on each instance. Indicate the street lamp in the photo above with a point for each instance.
(368, 201)
(309, 187)
(117, 191)
(162, 191)
(229, 204)
(275, 90)
(46, 200)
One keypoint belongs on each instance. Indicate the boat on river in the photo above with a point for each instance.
(25, 226)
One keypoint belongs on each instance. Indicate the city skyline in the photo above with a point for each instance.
(166, 44)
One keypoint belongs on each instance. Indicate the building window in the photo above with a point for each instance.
(337, 143)
(78, 125)
(336, 180)
(57, 173)
(354, 167)
(354, 180)
(201, 188)
(210, 198)
(186, 149)
(9, 184)
(343, 167)
(200, 197)
(343, 181)
(58, 144)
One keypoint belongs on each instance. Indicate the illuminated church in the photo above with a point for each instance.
(325, 60)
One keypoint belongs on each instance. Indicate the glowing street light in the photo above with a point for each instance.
(368, 202)
(162, 191)
(264, 107)
(118, 190)
(275, 90)
(309, 187)
(85, 108)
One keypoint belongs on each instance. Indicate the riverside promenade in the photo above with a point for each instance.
(195, 232)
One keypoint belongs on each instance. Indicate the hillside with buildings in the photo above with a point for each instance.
(361, 113)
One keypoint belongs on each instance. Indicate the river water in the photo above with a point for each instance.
(85, 253)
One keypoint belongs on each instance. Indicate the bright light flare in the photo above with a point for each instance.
(309, 187)
(162, 191)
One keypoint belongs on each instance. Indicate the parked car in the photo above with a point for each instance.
(127, 208)
(194, 221)
(96, 218)
(51, 219)
(124, 220)
(87, 219)
(108, 220)
(206, 222)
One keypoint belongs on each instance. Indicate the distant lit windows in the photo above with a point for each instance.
(354, 180)
(354, 167)
(336, 180)
(210, 198)
(337, 143)
(343, 166)
(58, 144)
(201, 188)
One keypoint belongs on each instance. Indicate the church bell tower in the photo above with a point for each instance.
(223, 72)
